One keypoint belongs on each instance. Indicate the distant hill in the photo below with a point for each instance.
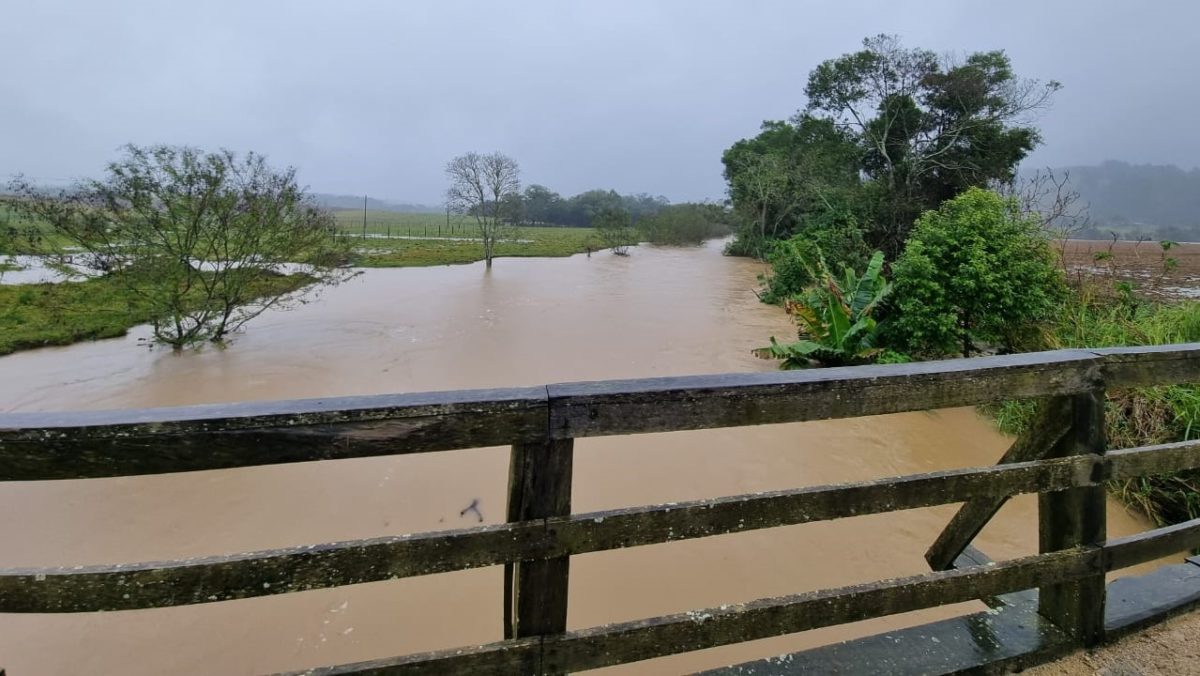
(330, 201)
(1158, 201)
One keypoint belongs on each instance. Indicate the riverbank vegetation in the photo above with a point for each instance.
(901, 170)
(197, 243)
(41, 315)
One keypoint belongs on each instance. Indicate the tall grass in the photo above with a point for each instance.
(1133, 417)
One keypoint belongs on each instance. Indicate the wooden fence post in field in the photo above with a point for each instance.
(539, 485)
(1076, 517)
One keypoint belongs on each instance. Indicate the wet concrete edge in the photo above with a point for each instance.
(1009, 636)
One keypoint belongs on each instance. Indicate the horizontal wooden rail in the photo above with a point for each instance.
(1149, 365)
(92, 444)
(699, 402)
(1146, 460)
(89, 444)
(711, 627)
(223, 578)
(1151, 545)
(280, 571)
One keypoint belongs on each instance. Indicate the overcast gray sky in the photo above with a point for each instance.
(375, 97)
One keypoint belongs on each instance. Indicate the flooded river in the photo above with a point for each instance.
(526, 322)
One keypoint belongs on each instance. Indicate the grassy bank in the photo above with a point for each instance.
(384, 252)
(38, 315)
(1134, 417)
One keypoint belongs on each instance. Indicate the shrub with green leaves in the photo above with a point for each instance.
(975, 273)
(837, 326)
(834, 235)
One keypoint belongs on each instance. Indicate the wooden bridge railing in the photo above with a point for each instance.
(1063, 458)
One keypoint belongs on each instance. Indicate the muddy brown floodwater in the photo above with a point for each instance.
(529, 321)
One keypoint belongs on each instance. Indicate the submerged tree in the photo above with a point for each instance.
(615, 227)
(486, 187)
(204, 241)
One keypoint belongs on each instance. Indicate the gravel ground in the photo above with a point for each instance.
(1170, 648)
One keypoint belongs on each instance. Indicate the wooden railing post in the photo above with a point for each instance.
(1075, 517)
(539, 486)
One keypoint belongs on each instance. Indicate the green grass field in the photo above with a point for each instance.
(19, 235)
(36, 315)
(410, 240)
(383, 223)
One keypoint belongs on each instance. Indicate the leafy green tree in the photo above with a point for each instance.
(788, 171)
(836, 317)
(689, 223)
(204, 242)
(542, 205)
(976, 271)
(615, 229)
(833, 234)
(929, 126)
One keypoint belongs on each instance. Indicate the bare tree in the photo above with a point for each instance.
(486, 187)
(1050, 198)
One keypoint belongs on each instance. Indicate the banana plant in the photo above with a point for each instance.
(835, 318)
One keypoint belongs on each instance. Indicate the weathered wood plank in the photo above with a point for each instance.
(1048, 426)
(699, 402)
(295, 569)
(1150, 545)
(1076, 517)
(1149, 365)
(1142, 461)
(631, 527)
(280, 571)
(539, 487)
(114, 443)
(696, 630)
(35, 446)
(493, 659)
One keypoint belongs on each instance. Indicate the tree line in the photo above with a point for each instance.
(897, 229)
(886, 171)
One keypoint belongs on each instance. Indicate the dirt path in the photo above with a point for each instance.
(1170, 648)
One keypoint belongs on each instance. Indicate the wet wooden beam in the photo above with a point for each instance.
(703, 518)
(1152, 544)
(1149, 365)
(536, 590)
(222, 578)
(486, 660)
(711, 627)
(88, 444)
(279, 571)
(1142, 461)
(1072, 518)
(1049, 426)
(700, 402)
